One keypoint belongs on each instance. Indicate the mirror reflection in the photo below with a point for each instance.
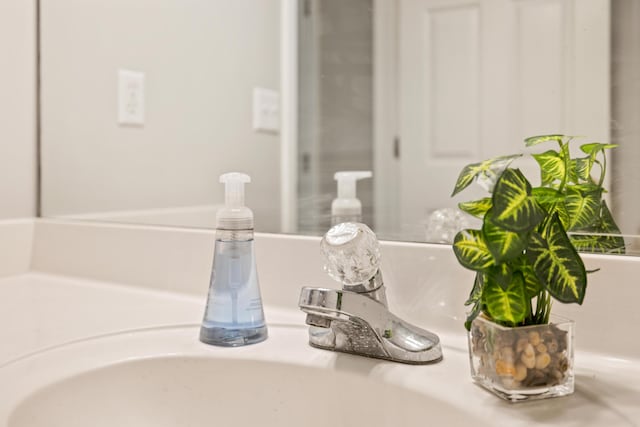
(144, 105)
(199, 63)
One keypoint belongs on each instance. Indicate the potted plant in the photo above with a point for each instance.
(525, 256)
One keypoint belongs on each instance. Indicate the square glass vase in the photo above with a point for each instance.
(522, 363)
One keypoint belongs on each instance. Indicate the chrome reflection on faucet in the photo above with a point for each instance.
(356, 319)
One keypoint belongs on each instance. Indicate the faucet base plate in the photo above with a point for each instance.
(380, 357)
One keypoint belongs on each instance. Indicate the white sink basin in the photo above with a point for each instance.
(165, 377)
(197, 391)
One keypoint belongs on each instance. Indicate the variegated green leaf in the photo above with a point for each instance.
(561, 209)
(552, 201)
(606, 237)
(557, 264)
(532, 285)
(583, 206)
(585, 242)
(546, 196)
(493, 168)
(535, 140)
(592, 150)
(607, 223)
(500, 274)
(598, 243)
(476, 291)
(488, 168)
(476, 208)
(466, 177)
(504, 245)
(594, 147)
(475, 298)
(513, 206)
(581, 169)
(509, 305)
(552, 166)
(499, 163)
(471, 250)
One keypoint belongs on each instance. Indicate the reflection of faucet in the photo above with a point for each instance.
(356, 319)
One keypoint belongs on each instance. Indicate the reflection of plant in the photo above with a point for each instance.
(523, 251)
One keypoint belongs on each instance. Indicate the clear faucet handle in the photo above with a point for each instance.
(352, 253)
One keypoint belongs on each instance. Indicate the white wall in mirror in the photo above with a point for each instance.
(201, 61)
(17, 109)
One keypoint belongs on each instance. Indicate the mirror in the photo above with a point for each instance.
(200, 61)
(410, 89)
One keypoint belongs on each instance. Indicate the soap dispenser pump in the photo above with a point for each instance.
(347, 207)
(234, 315)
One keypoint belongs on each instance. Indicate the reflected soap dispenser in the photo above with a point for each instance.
(347, 207)
(234, 315)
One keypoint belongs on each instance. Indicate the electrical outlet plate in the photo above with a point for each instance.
(130, 97)
(266, 110)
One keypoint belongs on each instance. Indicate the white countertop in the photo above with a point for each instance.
(44, 310)
(41, 311)
(81, 282)
(49, 312)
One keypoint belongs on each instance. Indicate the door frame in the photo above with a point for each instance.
(288, 116)
(386, 136)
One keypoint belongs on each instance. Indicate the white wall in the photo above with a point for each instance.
(17, 108)
(201, 59)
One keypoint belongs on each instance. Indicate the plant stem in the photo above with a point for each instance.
(603, 168)
(566, 157)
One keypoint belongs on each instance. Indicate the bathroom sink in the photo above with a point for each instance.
(196, 391)
(165, 377)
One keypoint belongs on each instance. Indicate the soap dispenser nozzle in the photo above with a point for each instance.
(234, 215)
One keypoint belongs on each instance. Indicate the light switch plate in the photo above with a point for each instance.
(130, 97)
(266, 110)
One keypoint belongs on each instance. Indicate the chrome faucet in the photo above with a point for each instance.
(356, 319)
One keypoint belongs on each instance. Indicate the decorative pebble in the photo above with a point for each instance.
(543, 360)
(505, 369)
(521, 372)
(528, 361)
(521, 344)
(534, 338)
(541, 348)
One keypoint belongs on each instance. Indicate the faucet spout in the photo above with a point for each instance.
(356, 323)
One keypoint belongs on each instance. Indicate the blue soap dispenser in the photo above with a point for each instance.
(234, 314)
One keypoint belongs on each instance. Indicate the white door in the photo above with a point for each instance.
(475, 77)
